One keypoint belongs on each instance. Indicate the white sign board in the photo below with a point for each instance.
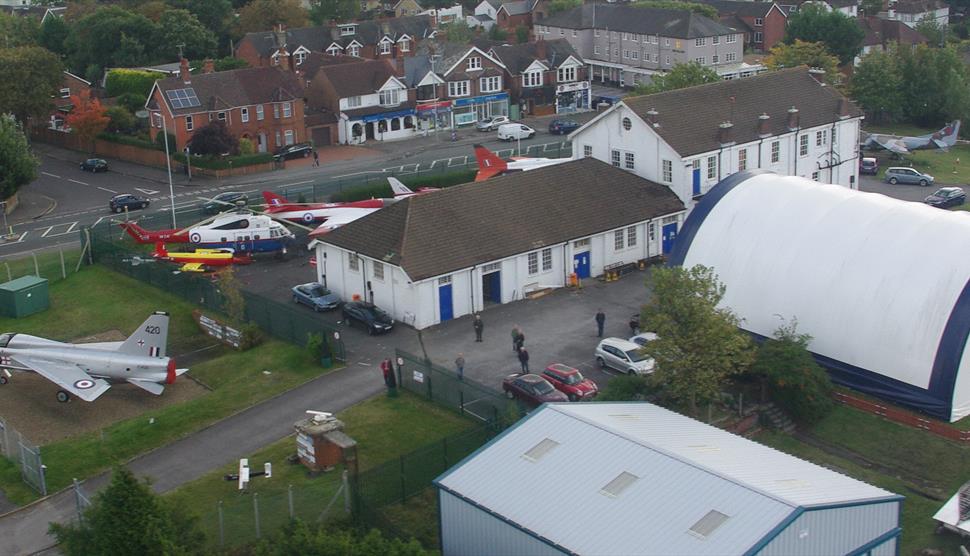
(418, 376)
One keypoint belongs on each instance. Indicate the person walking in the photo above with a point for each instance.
(600, 321)
(460, 366)
(524, 359)
(316, 158)
(520, 341)
(515, 337)
(635, 324)
(479, 326)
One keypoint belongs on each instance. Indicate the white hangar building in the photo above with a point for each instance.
(636, 479)
(433, 257)
(880, 284)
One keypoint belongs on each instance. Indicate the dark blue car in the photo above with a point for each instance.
(563, 127)
(315, 296)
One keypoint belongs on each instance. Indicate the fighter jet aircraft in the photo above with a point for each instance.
(942, 139)
(85, 370)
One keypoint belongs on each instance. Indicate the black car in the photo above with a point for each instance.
(95, 165)
(127, 201)
(374, 319)
(224, 201)
(299, 150)
(946, 197)
(563, 127)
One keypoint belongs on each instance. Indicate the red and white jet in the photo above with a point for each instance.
(490, 165)
(402, 191)
(308, 213)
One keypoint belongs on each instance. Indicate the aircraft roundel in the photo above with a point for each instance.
(83, 384)
(308, 217)
(195, 237)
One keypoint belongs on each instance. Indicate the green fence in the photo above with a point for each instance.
(52, 265)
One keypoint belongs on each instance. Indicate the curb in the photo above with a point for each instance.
(52, 204)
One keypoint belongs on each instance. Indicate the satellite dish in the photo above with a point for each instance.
(141, 114)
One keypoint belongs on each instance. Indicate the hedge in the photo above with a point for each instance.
(222, 163)
(383, 190)
(129, 140)
(121, 81)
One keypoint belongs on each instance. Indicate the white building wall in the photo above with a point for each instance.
(835, 530)
(469, 531)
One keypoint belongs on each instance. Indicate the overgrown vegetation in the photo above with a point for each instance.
(381, 189)
(680, 76)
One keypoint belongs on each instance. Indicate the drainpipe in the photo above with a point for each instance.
(471, 288)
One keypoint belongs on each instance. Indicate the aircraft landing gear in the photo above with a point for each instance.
(3, 379)
(63, 396)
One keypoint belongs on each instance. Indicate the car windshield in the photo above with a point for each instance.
(572, 378)
(542, 387)
(379, 315)
(319, 291)
(5, 339)
(636, 355)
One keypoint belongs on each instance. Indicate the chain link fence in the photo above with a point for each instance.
(52, 265)
(24, 453)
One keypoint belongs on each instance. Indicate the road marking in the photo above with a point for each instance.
(146, 191)
(98, 221)
(301, 182)
(75, 181)
(19, 240)
(51, 175)
(70, 228)
(106, 189)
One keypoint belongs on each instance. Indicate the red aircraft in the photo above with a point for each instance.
(490, 165)
(308, 213)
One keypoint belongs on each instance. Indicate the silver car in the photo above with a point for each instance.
(491, 124)
(902, 174)
(623, 356)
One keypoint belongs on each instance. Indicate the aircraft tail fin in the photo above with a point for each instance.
(160, 250)
(148, 386)
(140, 234)
(274, 200)
(489, 164)
(399, 188)
(151, 338)
(951, 132)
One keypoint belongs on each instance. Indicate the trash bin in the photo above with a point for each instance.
(326, 361)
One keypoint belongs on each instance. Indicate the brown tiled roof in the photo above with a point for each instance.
(362, 78)
(689, 118)
(441, 232)
(223, 90)
(918, 6)
(880, 32)
(316, 60)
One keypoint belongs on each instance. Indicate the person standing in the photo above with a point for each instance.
(600, 321)
(460, 366)
(479, 326)
(524, 359)
(520, 341)
(515, 337)
(316, 158)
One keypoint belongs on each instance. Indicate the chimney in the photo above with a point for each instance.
(764, 125)
(184, 74)
(653, 117)
(792, 118)
(541, 49)
(280, 35)
(843, 108)
(208, 66)
(724, 134)
(818, 74)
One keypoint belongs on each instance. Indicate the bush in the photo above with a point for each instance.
(132, 101)
(626, 388)
(135, 141)
(122, 81)
(222, 162)
(160, 142)
(214, 139)
(383, 190)
(229, 63)
(251, 336)
(246, 146)
(315, 346)
(122, 121)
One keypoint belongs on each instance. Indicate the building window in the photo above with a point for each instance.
(300, 57)
(759, 36)
(66, 92)
(615, 158)
(646, 56)
(668, 171)
(532, 79)
(702, 60)
(667, 42)
(618, 240)
(490, 84)
(404, 45)
(635, 37)
(347, 30)
(575, 33)
(288, 137)
(624, 36)
(631, 236)
(287, 109)
(353, 102)
(353, 263)
(730, 57)
(259, 112)
(775, 151)
(458, 88)
(276, 111)
(711, 167)
(333, 50)
(189, 123)
(626, 53)
(244, 114)
(759, 22)
(628, 161)
(715, 40)
(652, 231)
(378, 271)
(587, 151)
(700, 41)
(714, 59)
(635, 54)
(474, 63)
(354, 50)
(279, 141)
(821, 137)
(533, 263)
(385, 47)
(803, 145)
(667, 60)
(389, 97)
(732, 38)
(546, 260)
(596, 32)
(565, 75)
(815, 176)
(654, 39)
(742, 159)
(444, 280)
(221, 116)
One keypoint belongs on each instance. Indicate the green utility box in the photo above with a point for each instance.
(24, 296)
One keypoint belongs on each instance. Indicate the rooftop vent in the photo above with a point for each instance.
(542, 448)
(706, 525)
(616, 487)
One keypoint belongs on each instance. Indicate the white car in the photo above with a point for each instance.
(644, 338)
(623, 356)
(511, 132)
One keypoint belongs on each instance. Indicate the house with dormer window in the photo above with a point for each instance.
(469, 81)
(545, 77)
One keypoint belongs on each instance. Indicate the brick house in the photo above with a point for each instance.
(545, 77)
(473, 82)
(71, 85)
(912, 12)
(762, 22)
(370, 40)
(264, 105)
(881, 32)
(404, 8)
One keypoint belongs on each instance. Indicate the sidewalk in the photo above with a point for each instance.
(128, 169)
(31, 205)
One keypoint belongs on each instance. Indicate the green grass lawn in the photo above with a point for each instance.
(384, 428)
(913, 452)
(48, 265)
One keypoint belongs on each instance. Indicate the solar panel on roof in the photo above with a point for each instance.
(183, 98)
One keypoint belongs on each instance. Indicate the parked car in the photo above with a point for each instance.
(299, 150)
(945, 197)
(511, 132)
(901, 174)
(315, 296)
(869, 165)
(374, 319)
(127, 201)
(491, 124)
(571, 382)
(563, 127)
(95, 165)
(533, 390)
(643, 338)
(623, 356)
(224, 201)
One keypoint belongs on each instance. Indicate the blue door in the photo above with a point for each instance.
(668, 233)
(444, 303)
(492, 287)
(581, 264)
(697, 182)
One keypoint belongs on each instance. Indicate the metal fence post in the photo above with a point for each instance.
(289, 498)
(256, 512)
(222, 526)
(461, 402)
(77, 501)
(43, 475)
(346, 486)
(63, 269)
(36, 267)
(9, 276)
(403, 481)
(444, 450)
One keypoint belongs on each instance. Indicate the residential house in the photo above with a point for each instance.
(545, 77)
(430, 258)
(786, 121)
(762, 22)
(881, 32)
(849, 8)
(511, 14)
(322, 123)
(264, 105)
(71, 85)
(912, 12)
(372, 40)
(26, 8)
(404, 8)
(627, 45)
(369, 101)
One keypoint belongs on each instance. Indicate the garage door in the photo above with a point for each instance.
(321, 136)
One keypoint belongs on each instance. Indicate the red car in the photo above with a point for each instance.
(571, 382)
(531, 389)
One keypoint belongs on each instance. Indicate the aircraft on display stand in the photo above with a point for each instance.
(86, 370)
(942, 139)
(200, 260)
(308, 213)
(490, 165)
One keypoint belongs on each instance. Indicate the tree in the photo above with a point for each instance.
(18, 31)
(214, 139)
(124, 81)
(876, 87)
(458, 31)
(840, 33)
(229, 63)
(216, 15)
(325, 11)
(934, 84)
(128, 518)
(110, 25)
(698, 344)
(557, 6)
(17, 166)
(934, 32)
(88, 119)
(801, 53)
(120, 120)
(496, 33)
(680, 76)
(233, 301)
(521, 34)
(31, 76)
(699, 9)
(53, 33)
(262, 15)
(298, 538)
(796, 382)
(870, 7)
(180, 27)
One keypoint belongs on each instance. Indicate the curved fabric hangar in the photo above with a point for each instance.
(880, 284)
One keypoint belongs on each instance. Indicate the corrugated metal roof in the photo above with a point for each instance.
(684, 470)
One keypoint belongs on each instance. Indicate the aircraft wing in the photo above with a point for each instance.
(940, 144)
(67, 376)
(104, 346)
(893, 144)
(345, 216)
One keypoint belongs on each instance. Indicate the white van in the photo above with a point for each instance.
(511, 132)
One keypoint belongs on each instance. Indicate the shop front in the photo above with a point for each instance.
(434, 116)
(381, 126)
(467, 111)
(572, 97)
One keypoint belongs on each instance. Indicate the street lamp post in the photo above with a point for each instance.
(188, 161)
(168, 163)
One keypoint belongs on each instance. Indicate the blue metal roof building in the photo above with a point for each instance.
(637, 479)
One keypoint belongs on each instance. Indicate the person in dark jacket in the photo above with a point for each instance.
(478, 325)
(524, 359)
(519, 341)
(600, 321)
